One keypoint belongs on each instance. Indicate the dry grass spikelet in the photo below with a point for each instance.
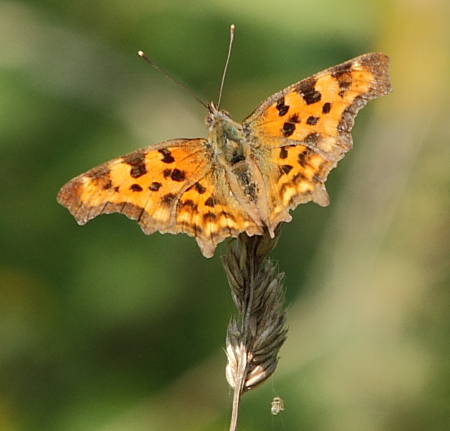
(255, 337)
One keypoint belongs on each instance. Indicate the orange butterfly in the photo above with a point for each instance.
(245, 177)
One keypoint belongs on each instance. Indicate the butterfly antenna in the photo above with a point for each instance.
(142, 54)
(226, 64)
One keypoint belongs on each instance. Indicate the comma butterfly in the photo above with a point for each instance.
(245, 177)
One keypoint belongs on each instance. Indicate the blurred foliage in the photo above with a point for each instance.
(104, 328)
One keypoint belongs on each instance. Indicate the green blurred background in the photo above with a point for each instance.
(104, 328)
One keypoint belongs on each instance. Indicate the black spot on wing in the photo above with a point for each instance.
(288, 129)
(343, 75)
(167, 200)
(344, 78)
(302, 157)
(189, 203)
(167, 156)
(178, 175)
(298, 178)
(200, 189)
(137, 162)
(308, 92)
(326, 108)
(209, 216)
(312, 138)
(286, 168)
(281, 107)
(107, 185)
(155, 186)
(99, 173)
(228, 215)
(283, 153)
(210, 202)
(312, 121)
(289, 126)
(294, 119)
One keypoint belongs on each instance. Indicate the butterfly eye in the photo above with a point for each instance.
(209, 121)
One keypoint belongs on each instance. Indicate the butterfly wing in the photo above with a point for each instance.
(171, 187)
(300, 133)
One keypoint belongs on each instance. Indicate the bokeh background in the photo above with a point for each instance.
(104, 328)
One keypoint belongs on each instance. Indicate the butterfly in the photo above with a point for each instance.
(245, 177)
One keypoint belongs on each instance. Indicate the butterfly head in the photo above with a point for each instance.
(215, 115)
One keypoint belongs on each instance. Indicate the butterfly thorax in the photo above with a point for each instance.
(225, 135)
